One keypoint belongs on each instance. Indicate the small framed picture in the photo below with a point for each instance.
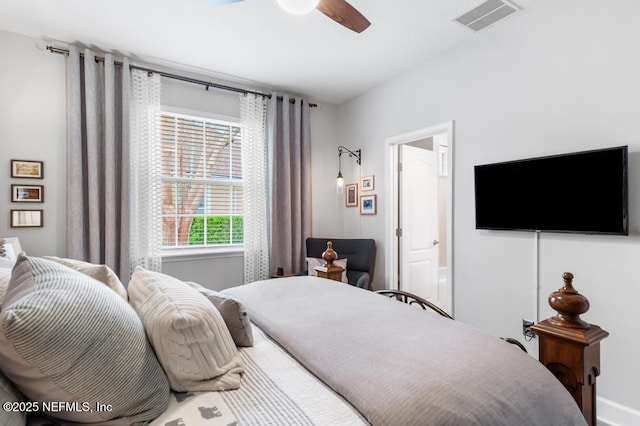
(27, 193)
(351, 195)
(368, 204)
(26, 218)
(27, 169)
(367, 183)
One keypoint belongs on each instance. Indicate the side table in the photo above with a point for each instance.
(332, 272)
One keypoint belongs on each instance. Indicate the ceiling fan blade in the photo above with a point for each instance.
(344, 14)
(221, 2)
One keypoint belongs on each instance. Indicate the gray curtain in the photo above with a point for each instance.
(289, 139)
(97, 138)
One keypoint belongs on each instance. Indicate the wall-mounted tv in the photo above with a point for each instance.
(582, 192)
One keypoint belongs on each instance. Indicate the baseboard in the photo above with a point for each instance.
(613, 414)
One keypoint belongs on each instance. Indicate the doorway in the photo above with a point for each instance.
(420, 231)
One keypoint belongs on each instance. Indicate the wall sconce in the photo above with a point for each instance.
(339, 179)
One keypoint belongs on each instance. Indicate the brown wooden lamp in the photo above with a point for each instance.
(329, 255)
(329, 270)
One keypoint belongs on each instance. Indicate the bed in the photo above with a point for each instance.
(324, 353)
(396, 364)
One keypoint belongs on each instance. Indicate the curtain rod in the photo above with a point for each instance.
(207, 84)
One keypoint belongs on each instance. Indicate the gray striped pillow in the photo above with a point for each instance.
(66, 337)
(102, 273)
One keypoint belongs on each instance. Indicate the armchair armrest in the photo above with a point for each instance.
(359, 279)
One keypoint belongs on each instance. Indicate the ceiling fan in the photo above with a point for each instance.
(338, 10)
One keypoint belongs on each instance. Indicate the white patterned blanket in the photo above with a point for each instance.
(275, 390)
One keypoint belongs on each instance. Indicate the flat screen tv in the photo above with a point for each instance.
(582, 192)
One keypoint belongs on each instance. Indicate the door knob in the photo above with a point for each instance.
(436, 242)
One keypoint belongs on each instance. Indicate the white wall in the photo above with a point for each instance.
(327, 207)
(562, 77)
(32, 127)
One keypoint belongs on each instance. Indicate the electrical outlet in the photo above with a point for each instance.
(526, 329)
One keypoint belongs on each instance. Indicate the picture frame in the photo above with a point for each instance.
(27, 193)
(27, 218)
(367, 183)
(368, 204)
(27, 169)
(351, 195)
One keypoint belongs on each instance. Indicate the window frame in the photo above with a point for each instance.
(196, 252)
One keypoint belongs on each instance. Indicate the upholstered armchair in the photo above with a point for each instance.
(359, 252)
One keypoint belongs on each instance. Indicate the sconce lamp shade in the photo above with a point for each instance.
(298, 7)
(339, 183)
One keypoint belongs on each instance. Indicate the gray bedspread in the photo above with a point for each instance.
(400, 365)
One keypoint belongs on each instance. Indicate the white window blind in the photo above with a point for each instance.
(201, 182)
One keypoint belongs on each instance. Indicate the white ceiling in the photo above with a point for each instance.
(255, 42)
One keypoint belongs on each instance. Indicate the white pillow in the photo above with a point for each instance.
(312, 262)
(7, 263)
(188, 334)
(5, 276)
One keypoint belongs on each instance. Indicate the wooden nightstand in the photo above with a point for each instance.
(329, 270)
(333, 272)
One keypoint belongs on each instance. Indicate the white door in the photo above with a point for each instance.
(418, 217)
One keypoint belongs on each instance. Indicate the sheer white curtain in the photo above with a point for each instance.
(145, 173)
(255, 188)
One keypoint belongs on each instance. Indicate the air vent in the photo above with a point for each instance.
(486, 14)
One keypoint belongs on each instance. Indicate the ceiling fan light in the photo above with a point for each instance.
(298, 7)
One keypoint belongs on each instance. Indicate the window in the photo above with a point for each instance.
(201, 182)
